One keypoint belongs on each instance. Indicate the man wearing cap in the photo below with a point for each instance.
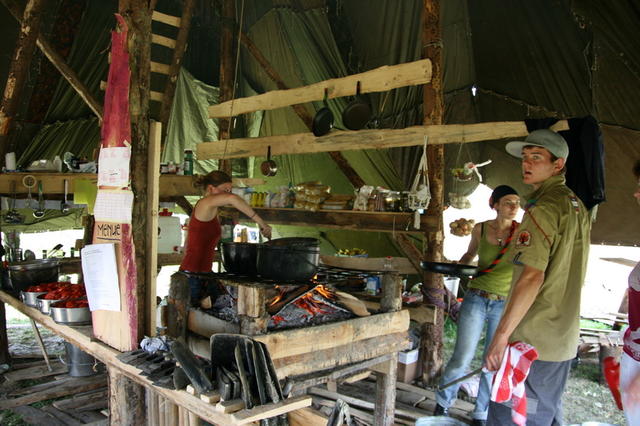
(550, 253)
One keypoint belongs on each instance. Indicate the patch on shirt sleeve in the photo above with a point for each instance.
(574, 202)
(524, 239)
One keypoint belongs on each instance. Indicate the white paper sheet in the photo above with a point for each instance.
(113, 166)
(113, 206)
(100, 273)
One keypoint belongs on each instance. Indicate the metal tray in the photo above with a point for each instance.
(71, 316)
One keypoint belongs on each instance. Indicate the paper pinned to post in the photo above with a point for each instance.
(114, 166)
(100, 272)
(113, 206)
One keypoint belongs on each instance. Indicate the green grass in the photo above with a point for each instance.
(584, 323)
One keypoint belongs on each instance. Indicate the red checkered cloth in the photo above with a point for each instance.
(508, 382)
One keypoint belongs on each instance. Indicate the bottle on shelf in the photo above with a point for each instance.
(188, 163)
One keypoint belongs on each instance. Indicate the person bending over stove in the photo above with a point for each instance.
(483, 301)
(204, 227)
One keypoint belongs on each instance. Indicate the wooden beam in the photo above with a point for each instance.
(289, 343)
(304, 143)
(174, 21)
(399, 264)
(179, 47)
(378, 80)
(413, 255)
(159, 68)
(153, 199)
(227, 73)
(163, 41)
(340, 219)
(53, 183)
(19, 71)
(433, 109)
(385, 407)
(5, 357)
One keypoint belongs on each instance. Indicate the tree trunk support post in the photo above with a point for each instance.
(18, 71)
(431, 339)
(227, 75)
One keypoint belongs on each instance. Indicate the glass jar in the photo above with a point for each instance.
(392, 201)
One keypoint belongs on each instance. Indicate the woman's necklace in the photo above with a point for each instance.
(500, 235)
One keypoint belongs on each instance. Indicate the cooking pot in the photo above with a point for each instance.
(358, 113)
(454, 269)
(288, 262)
(299, 242)
(240, 258)
(25, 274)
(323, 120)
(269, 167)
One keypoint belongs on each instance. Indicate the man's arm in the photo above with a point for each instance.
(523, 294)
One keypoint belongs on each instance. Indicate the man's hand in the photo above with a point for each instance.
(495, 353)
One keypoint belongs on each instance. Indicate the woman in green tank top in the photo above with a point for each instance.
(484, 300)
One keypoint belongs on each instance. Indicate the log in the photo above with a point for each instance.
(177, 306)
(5, 357)
(63, 417)
(35, 416)
(227, 74)
(386, 392)
(150, 262)
(82, 402)
(19, 70)
(306, 143)
(378, 80)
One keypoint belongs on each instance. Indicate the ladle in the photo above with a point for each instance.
(65, 206)
(39, 213)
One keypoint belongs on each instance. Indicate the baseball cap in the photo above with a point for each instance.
(544, 138)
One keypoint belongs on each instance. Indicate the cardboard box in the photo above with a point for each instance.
(409, 367)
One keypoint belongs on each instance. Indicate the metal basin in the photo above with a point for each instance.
(44, 305)
(30, 298)
(70, 316)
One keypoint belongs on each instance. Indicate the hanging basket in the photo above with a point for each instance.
(420, 194)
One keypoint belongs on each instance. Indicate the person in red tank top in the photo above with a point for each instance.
(204, 227)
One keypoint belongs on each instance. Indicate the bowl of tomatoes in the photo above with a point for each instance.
(71, 312)
(64, 291)
(30, 295)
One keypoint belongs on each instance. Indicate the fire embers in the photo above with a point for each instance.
(304, 306)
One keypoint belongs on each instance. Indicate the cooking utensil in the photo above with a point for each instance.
(358, 113)
(240, 258)
(70, 316)
(39, 213)
(53, 250)
(288, 263)
(461, 379)
(44, 305)
(12, 215)
(323, 120)
(25, 274)
(300, 242)
(455, 269)
(268, 166)
(65, 205)
(30, 298)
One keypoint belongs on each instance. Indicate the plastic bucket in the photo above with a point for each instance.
(80, 363)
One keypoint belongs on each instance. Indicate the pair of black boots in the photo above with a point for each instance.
(441, 411)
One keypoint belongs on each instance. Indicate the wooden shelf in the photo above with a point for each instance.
(341, 219)
(53, 183)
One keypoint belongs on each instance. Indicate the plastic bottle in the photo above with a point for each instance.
(57, 163)
(188, 162)
(388, 264)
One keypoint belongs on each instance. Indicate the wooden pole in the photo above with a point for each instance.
(18, 71)
(431, 342)
(227, 74)
(5, 357)
(176, 63)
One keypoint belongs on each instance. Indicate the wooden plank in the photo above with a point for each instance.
(620, 261)
(378, 80)
(386, 392)
(174, 21)
(163, 41)
(339, 219)
(307, 417)
(305, 143)
(159, 68)
(82, 401)
(151, 246)
(36, 371)
(251, 301)
(266, 411)
(399, 264)
(210, 397)
(62, 416)
(53, 183)
(54, 390)
(153, 95)
(35, 416)
(230, 406)
(310, 339)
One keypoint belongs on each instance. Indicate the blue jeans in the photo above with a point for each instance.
(474, 313)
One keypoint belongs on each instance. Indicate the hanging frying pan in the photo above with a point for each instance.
(358, 113)
(454, 269)
(323, 120)
(269, 167)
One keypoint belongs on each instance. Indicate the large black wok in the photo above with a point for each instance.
(240, 258)
(454, 269)
(289, 259)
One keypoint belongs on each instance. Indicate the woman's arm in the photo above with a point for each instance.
(228, 199)
(472, 250)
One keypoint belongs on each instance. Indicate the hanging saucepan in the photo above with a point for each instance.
(323, 120)
(453, 269)
(269, 167)
(358, 113)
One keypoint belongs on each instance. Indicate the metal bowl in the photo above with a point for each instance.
(25, 274)
(45, 304)
(71, 316)
(30, 298)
